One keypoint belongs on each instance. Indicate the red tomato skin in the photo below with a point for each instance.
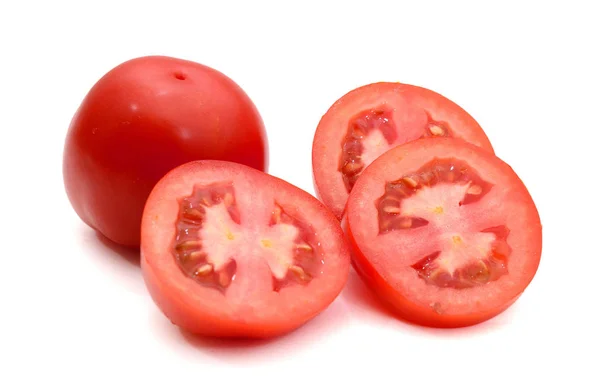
(142, 119)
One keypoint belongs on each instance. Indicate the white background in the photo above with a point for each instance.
(75, 311)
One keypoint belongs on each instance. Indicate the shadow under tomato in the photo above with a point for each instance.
(129, 254)
(247, 351)
(367, 305)
(362, 300)
(482, 328)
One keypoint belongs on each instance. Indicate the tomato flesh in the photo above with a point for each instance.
(210, 236)
(142, 119)
(444, 231)
(370, 120)
(231, 251)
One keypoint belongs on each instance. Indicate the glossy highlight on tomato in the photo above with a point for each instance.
(230, 251)
(143, 118)
(444, 232)
(369, 120)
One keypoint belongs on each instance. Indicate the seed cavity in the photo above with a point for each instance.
(438, 171)
(306, 258)
(187, 245)
(288, 244)
(439, 269)
(224, 279)
(351, 163)
(466, 260)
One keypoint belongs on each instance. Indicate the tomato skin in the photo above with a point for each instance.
(140, 120)
(402, 291)
(204, 311)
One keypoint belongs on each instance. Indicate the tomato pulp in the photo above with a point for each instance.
(444, 232)
(234, 252)
(371, 119)
(144, 118)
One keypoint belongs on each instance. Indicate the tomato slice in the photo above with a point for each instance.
(371, 119)
(443, 231)
(230, 251)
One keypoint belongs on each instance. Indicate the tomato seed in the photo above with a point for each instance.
(304, 247)
(436, 130)
(193, 214)
(228, 199)
(474, 190)
(196, 255)
(352, 167)
(405, 223)
(188, 245)
(410, 181)
(204, 270)
(391, 209)
(276, 215)
(299, 272)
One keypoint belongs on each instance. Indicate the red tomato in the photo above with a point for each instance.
(144, 118)
(371, 119)
(443, 231)
(233, 252)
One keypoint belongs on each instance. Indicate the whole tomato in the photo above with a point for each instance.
(143, 118)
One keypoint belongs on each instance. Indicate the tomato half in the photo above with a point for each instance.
(233, 252)
(144, 118)
(443, 231)
(371, 119)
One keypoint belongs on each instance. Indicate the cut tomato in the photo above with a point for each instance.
(371, 119)
(444, 232)
(230, 251)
